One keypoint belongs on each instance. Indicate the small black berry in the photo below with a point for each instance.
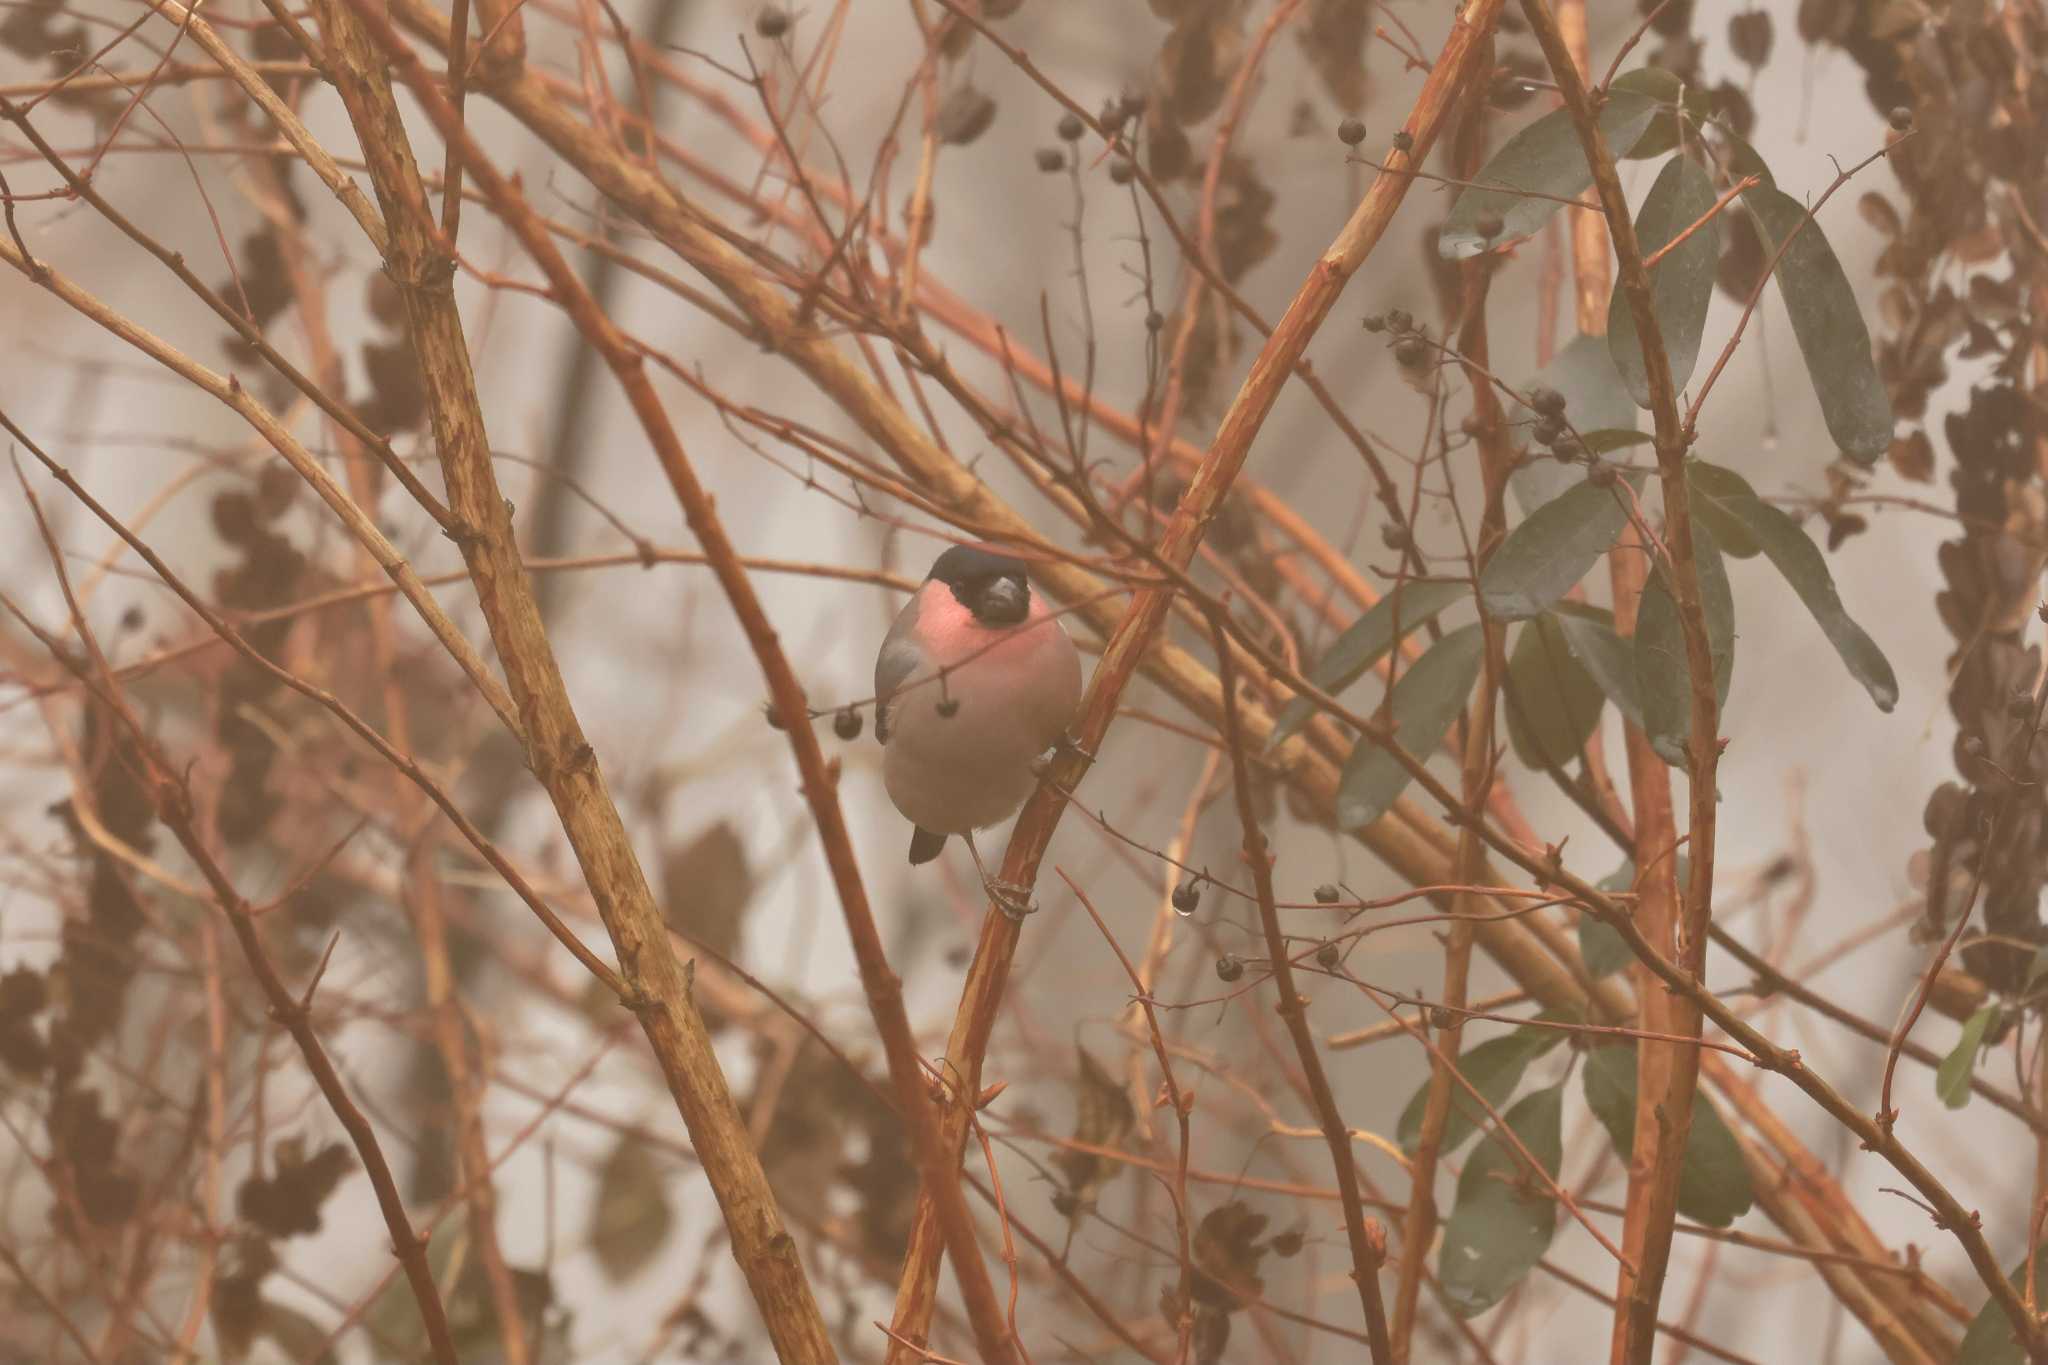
(1121, 172)
(1441, 1018)
(1071, 128)
(1411, 352)
(1900, 118)
(1328, 956)
(1403, 143)
(1600, 475)
(846, 724)
(771, 23)
(1547, 430)
(1051, 159)
(1549, 402)
(1229, 967)
(1286, 1244)
(1064, 1204)
(1154, 321)
(1327, 894)
(1112, 116)
(1375, 322)
(1400, 320)
(1186, 897)
(1489, 226)
(1351, 132)
(948, 707)
(1394, 536)
(771, 715)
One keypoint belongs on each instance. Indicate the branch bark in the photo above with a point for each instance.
(556, 750)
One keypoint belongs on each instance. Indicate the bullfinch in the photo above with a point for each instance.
(975, 681)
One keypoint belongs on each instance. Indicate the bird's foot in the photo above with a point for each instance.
(1041, 766)
(1012, 898)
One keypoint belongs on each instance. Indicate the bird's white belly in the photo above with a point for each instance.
(969, 770)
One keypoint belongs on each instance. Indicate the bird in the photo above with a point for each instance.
(974, 682)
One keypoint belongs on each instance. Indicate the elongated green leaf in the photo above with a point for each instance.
(1829, 325)
(1667, 89)
(1538, 167)
(1606, 440)
(1681, 285)
(1595, 401)
(1952, 1077)
(1503, 1220)
(1601, 947)
(1553, 703)
(1364, 643)
(1713, 1185)
(1427, 698)
(1661, 671)
(1990, 1340)
(1550, 551)
(1494, 1068)
(1608, 659)
(1712, 487)
(1800, 561)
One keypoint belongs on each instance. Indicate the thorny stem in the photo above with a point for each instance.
(1666, 1083)
(556, 749)
(1368, 1240)
(939, 1180)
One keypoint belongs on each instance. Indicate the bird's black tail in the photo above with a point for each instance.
(925, 846)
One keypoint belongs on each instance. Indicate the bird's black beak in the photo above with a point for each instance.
(1005, 601)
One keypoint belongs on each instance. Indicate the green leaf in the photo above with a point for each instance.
(1830, 328)
(1550, 550)
(1713, 1184)
(1664, 87)
(1602, 947)
(1742, 158)
(1544, 158)
(1427, 698)
(1494, 1068)
(1712, 487)
(1952, 1077)
(1553, 703)
(2036, 970)
(1607, 440)
(1504, 1217)
(1364, 643)
(1802, 565)
(1681, 285)
(1661, 670)
(1990, 1340)
(1595, 400)
(1608, 659)
(299, 1337)
(632, 1216)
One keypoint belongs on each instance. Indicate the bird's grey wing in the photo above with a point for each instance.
(899, 659)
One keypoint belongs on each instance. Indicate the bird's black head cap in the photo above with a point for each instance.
(988, 583)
